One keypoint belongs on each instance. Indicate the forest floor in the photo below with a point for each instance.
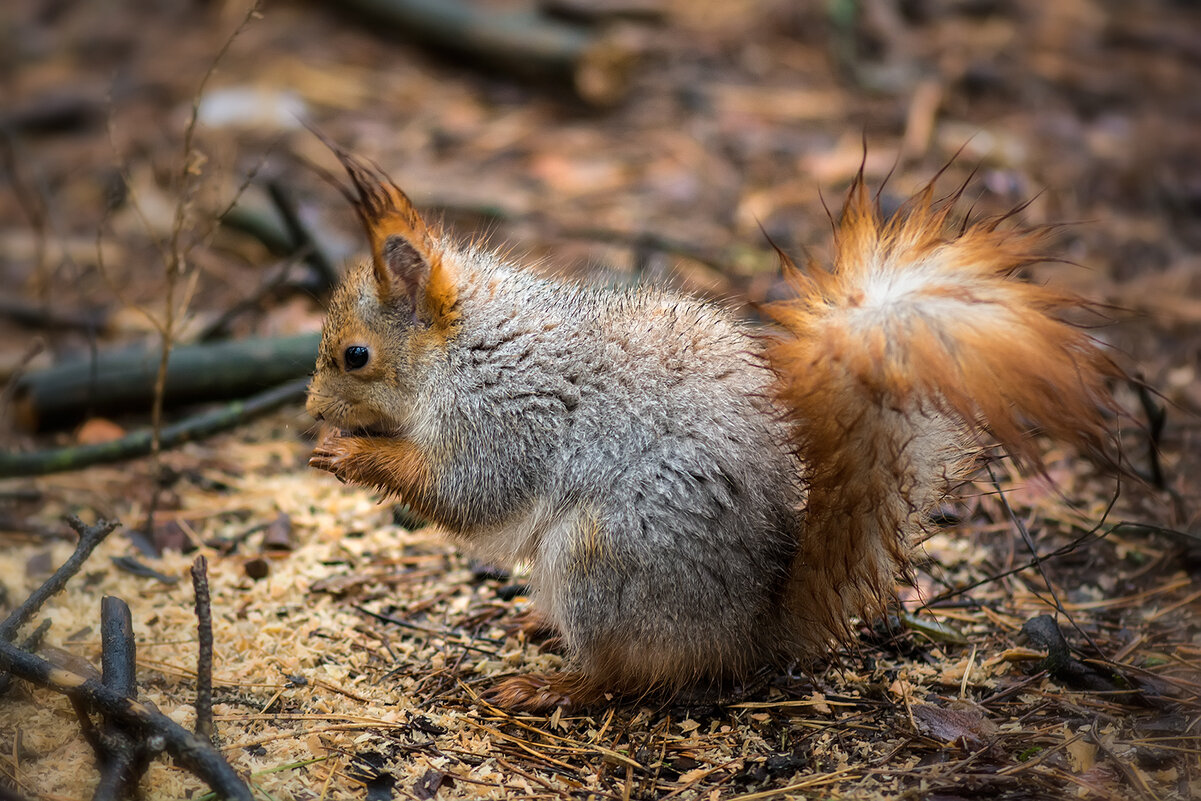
(351, 645)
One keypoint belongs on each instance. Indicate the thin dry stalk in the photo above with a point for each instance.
(176, 265)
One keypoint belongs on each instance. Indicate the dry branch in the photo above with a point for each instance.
(187, 749)
(139, 443)
(46, 317)
(219, 328)
(89, 538)
(592, 11)
(30, 643)
(302, 240)
(118, 652)
(285, 234)
(133, 728)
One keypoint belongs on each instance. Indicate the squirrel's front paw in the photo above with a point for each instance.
(333, 455)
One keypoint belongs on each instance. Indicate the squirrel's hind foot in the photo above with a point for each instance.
(543, 692)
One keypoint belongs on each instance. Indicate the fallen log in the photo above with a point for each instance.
(75, 457)
(522, 43)
(123, 381)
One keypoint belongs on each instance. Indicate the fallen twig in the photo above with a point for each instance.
(31, 644)
(45, 317)
(10, 386)
(219, 328)
(259, 221)
(138, 444)
(133, 728)
(302, 241)
(1036, 559)
(73, 108)
(592, 11)
(1157, 417)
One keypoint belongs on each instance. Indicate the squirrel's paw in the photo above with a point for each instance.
(542, 692)
(332, 455)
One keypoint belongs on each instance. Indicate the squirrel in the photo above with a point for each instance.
(695, 497)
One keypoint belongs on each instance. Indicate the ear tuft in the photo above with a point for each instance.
(389, 218)
(405, 253)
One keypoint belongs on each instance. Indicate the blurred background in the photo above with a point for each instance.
(160, 187)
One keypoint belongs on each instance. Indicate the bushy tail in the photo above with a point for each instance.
(894, 363)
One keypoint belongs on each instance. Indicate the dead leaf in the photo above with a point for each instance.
(961, 723)
(97, 430)
(1082, 754)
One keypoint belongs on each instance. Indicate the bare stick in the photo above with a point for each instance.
(219, 327)
(10, 388)
(204, 657)
(89, 538)
(33, 316)
(1157, 416)
(1039, 563)
(521, 43)
(176, 265)
(118, 651)
(133, 728)
(123, 379)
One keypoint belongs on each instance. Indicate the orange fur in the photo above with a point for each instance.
(393, 466)
(916, 341)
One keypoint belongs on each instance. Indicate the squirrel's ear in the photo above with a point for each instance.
(404, 251)
(400, 268)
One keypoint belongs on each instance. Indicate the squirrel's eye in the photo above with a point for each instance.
(355, 357)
